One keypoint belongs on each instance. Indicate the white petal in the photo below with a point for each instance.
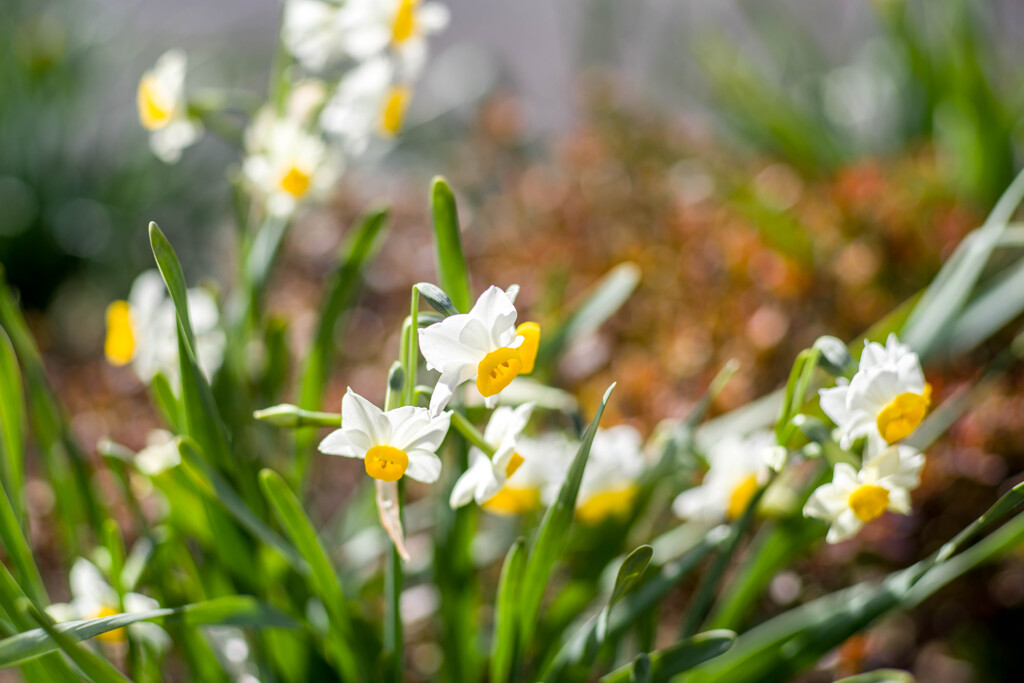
(441, 344)
(358, 413)
(497, 313)
(414, 428)
(424, 466)
(87, 582)
(346, 442)
(845, 525)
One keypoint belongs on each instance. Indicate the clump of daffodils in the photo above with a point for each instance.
(142, 330)
(884, 402)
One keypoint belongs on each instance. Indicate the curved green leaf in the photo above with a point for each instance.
(503, 646)
(451, 261)
(682, 656)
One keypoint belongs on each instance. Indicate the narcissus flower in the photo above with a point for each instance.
(370, 102)
(392, 444)
(737, 467)
(142, 330)
(485, 476)
(885, 401)
(537, 480)
(313, 31)
(93, 598)
(609, 484)
(287, 164)
(852, 498)
(163, 109)
(159, 455)
(399, 26)
(483, 345)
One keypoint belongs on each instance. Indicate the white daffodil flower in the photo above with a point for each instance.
(369, 103)
(609, 484)
(159, 455)
(853, 498)
(486, 476)
(885, 401)
(286, 164)
(163, 110)
(142, 330)
(391, 444)
(537, 480)
(93, 598)
(313, 31)
(370, 27)
(483, 345)
(737, 467)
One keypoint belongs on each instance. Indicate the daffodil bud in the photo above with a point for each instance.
(437, 298)
(834, 358)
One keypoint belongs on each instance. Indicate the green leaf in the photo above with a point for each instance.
(234, 610)
(325, 582)
(19, 551)
(506, 603)
(553, 532)
(217, 489)
(943, 301)
(92, 665)
(630, 572)
(680, 657)
(989, 312)
(170, 269)
(451, 261)
(166, 402)
(597, 306)
(12, 426)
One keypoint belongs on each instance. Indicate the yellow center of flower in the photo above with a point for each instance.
(295, 182)
(393, 115)
(740, 498)
(513, 464)
(119, 346)
(386, 463)
(901, 417)
(497, 369)
(155, 111)
(528, 349)
(869, 502)
(115, 636)
(405, 21)
(513, 501)
(605, 504)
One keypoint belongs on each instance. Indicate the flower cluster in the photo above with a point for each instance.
(359, 60)
(882, 404)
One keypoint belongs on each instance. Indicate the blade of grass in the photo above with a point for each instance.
(503, 644)
(680, 657)
(451, 261)
(554, 530)
(92, 665)
(12, 427)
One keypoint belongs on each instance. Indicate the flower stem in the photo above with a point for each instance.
(471, 433)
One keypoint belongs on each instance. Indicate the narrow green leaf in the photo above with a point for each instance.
(234, 610)
(166, 402)
(989, 312)
(630, 572)
(12, 426)
(326, 586)
(641, 672)
(553, 532)
(451, 261)
(880, 676)
(92, 665)
(506, 603)
(170, 269)
(217, 489)
(19, 551)
(597, 306)
(680, 657)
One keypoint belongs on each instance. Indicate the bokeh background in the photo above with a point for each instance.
(778, 169)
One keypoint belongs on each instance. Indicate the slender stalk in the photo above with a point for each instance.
(471, 433)
(411, 347)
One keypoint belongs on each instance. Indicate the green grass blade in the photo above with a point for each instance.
(629, 574)
(300, 530)
(170, 269)
(217, 489)
(680, 657)
(12, 426)
(92, 665)
(597, 306)
(506, 603)
(553, 532)
(451, 261)
(166, 402)
(234, 610)
(989, 312)
(20, 553)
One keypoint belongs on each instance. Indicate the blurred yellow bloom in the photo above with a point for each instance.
(119, 346)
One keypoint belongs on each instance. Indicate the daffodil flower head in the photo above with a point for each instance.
(737, 467)
(852, 498)
(370, 103)
(94, 598)
(609, 485)
(392, 444)
(886, 399)
(536, 479)
(286, 164)
(401, 27)
(314, 32)
(485, 476)
(163, 110)
(483, 345)
(142, 331)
